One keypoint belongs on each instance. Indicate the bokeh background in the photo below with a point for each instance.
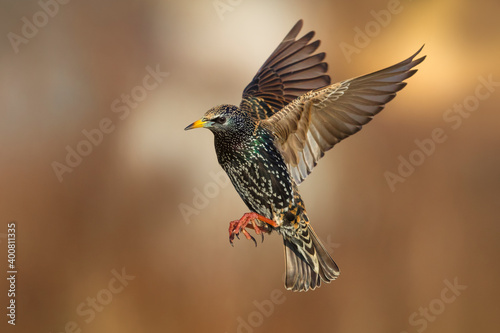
(120, 208)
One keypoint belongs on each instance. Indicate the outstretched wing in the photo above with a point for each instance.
(313, 123)
(288, 73)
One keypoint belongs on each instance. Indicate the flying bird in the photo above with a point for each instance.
(290, 115)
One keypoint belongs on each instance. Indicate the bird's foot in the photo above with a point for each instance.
(250, 220)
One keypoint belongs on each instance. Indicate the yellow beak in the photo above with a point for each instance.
(196, 124)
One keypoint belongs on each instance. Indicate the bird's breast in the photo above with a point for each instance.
(259, 175)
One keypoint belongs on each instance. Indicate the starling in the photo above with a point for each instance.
(290, 115)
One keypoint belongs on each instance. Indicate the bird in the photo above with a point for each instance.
(289, 116)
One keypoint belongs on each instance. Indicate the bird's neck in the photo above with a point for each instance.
(245, 141)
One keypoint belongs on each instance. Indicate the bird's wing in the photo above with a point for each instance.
(313, 123)
(288, 73)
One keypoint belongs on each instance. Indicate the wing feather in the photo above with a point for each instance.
(313, 123)
(290, 71)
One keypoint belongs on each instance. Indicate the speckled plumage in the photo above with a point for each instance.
(289, 117)
(254, 165)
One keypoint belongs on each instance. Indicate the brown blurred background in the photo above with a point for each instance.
(120, 207)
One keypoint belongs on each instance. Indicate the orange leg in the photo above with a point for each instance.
(249, 220)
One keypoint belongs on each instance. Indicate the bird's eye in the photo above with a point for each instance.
(220, 120)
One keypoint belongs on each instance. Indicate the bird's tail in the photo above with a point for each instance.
(307, 262)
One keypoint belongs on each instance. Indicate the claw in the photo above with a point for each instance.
(249, 237)
(249, 220)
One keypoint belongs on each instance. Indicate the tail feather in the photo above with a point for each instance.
(307, 262)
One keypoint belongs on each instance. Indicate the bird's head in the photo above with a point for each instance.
(223, 119)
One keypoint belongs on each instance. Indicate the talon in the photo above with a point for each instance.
(249, 237)
(249, 220)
